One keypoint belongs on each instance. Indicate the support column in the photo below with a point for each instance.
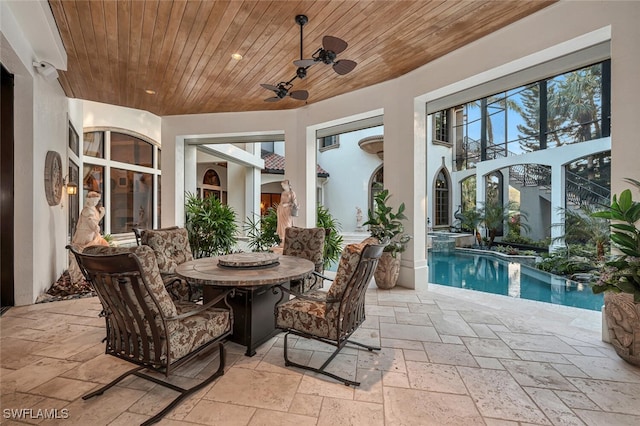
(558, 204)
(405, 177)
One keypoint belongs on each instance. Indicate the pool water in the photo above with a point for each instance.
(497, 276)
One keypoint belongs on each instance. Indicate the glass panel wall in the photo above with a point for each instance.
(564, 109)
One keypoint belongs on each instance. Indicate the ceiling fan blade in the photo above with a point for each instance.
(270, 87)
(304, 62)
(301, 95)
(274, 99)
(344, 66)
(334, 44)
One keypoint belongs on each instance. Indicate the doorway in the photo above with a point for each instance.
(6, 191)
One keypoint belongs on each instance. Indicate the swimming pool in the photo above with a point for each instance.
(492, 275)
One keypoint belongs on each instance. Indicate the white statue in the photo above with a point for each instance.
(87, 232)
(287, 209)
(358, 218)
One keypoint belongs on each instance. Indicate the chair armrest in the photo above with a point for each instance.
(202, 308)
(304, 296)
(324, 277)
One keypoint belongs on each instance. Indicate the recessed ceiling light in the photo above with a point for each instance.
(236, 56)
(150, 92)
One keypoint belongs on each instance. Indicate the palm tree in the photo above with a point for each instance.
(580, 227)
(494, 215)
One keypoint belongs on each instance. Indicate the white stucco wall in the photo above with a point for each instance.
(350, 169)
(97, 114)
(40, 125)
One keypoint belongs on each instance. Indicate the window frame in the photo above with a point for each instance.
(108, 164)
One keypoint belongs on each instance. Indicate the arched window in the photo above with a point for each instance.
(128, 178)
(211, 178)
(441, 195)
(375, 184)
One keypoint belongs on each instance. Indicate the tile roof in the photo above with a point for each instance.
(274, 163)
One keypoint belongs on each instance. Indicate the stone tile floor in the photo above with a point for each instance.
(449, 357)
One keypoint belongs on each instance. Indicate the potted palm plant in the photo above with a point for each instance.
(620, 278)
(386, 225)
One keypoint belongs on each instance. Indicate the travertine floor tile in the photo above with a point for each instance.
(541, 343)
(307, 405)
(260, 389)
(102, 409)
(216, 413)
(435, 377)
(611, 396)
(488, 348)
(417, 407)
(553, 407)
(409, 332)
(62, 388)
(498, 395)
(615, 369)
(599, 418)
(445, 353)
(547, 366)
(537, 374)
(340, 412)
(277, 418)
(35, 374)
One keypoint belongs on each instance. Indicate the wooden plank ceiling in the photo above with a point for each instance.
(182, 49)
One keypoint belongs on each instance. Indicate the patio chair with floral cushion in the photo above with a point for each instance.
(171, 247)
(307, 243)
(144, 325)
(332, 317)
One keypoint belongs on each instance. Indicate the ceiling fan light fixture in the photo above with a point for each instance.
(236, 56)
(331, 47)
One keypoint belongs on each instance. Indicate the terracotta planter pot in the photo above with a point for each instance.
(623, 321)
(387, 272)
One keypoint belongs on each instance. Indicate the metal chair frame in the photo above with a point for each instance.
(127, 329)
(351, 313)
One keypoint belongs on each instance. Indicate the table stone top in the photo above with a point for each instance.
(207, 271)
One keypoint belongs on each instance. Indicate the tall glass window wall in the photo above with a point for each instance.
(569, 108)
(131, 167)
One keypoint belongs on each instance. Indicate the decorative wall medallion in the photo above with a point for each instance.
(53, 178)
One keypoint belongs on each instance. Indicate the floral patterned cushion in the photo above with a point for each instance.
(188, 334)
(306, 315)
(171, 247)
(348, 262)
(307, 243)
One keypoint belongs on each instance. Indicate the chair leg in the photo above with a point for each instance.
(362, 345)
(184, 393)
(288, 362)
(114, 382)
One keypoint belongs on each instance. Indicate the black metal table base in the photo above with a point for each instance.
(253, 315)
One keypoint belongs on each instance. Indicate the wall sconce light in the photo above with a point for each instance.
(72, 187)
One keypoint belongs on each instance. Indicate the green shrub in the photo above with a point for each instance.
(262, 233)
(211, 226)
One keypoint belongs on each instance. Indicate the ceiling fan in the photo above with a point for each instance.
(327, 54)
(282, 90)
